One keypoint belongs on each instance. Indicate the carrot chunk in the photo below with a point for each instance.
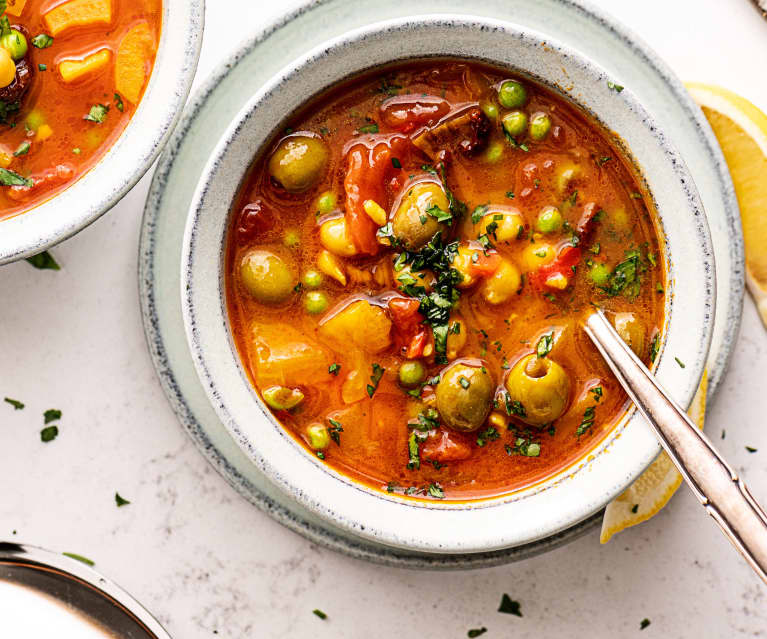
(134, 57)
(78, 13)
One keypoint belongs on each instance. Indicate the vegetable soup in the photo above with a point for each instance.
(72, 73)
(407, 271)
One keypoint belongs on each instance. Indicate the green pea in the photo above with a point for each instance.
(282, 398)
(319, 437)
(511, 94)
(540, 124)
(549, 220)
(14, 43)
(489, 109)
(494, 152)
(514, 123)
(411, 373)
(315, 302)
(326, 203)
(34, 120)
(292, 238)
(599, 274)
(312, 279)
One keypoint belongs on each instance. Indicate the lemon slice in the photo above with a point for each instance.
(741, 129)
(655, 486)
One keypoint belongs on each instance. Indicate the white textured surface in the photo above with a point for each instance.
(203, 560)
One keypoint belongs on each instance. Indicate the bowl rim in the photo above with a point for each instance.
(102, 186)
(437, 534)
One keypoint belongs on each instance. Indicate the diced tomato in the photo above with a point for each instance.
(410, 334)
(417, 344)
(366, 176)
(404, 312)
(446, 446)
(487, 263)
(48, 179)
(562, 266)
(586, 223)
(407, 112)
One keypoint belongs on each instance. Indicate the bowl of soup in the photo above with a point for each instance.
(386, 269)
(89, 91)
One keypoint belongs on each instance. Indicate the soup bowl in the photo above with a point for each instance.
(132, 153)
(540, 510)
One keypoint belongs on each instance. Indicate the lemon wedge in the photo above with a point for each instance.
(655, 486)
(741, 129)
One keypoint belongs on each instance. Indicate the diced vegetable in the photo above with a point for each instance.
(72, 70)
(133, 61)
(332, 266)
(408, 112)
(78, 13)
(335, 237)
(558, 273)
(7, 68)
(282, 355)
(282, 398)
(15, 7)
(359, 325)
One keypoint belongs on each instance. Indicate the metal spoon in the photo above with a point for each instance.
(717, 487)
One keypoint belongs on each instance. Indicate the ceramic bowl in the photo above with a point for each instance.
(523, 516)
(132, 154)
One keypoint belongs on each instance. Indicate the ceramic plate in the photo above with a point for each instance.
(630, 63)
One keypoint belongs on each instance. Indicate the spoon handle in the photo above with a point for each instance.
(717, 487)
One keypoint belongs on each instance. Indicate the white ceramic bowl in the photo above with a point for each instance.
(132, 154)
(526, 515)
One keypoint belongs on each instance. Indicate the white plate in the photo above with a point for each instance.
(631, 64)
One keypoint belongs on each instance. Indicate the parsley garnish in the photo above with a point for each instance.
(615, 87)
(10, 178)
(44, 260)
(51, 415)
(597, 391)
(319, 614)
(509, 606)
(335, 430)
(510, 195)
(369, 128)
(644, 623)
(654, 347)
(396, 163)
(80, 558)
(120, 501)
(680, 362)
(476, 632)
(750, 449)
(42, 67)
(22, 149)
(626, 276)
(478, 213)
(525, 447)
(635, 508)
(489, 435)
(49, 433)
(545, 344)
(435, 490)
(119, 103)
(587, 422)
(333, 369)
(378, 372)
(440, 215)
(464, 382)
(17, 405)
(42, 41)
(98, 113)
(514, 407)
(414, 454)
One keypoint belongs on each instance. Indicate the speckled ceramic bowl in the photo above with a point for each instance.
(526, 515)
(134, 151)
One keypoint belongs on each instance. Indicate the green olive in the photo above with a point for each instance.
(511, 94)
(312, 279)
(266, 277)
(412, 225)
(318, 435)
(299, 162)
(549, 220)
(315, 302)
(326, 203)
(464, 396)
(540, 124)
(14, 43)
(411, 373)
(541, 387)
(632, 331)
(514, 123)
(599, 274)
(282, 398)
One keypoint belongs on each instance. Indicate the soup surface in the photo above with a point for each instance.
(72, 73)
(408, 268)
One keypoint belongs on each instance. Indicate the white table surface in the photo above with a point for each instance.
(207, 563)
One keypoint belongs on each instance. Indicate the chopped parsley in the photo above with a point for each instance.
(22, 149)
(476, 632)
(17, 405)
(680, 362)
(510, 195)
(464, 382)
(514, 407)
(626, 277)
(335, 430)
(478, 213)
(334, 369)
(98, 113)
(44, 261)
(378, 372)
(489, 435)
(318, 613)
(427, 420)
(439, 215)
(396, 163)
(604, 160)
(615, 87)
(654, 347)
(435, 490)
(42, 41)
(523, 446)
(369, 128)
(80, 558)
(750, 449)
(119, 103)
(587, 422)
(413, 449)
(120, 501)
(644, 623)
(42, 67)
(635, 508)
(11, 178)
(545, 344)
(509, 606)
(49, 433)
(597, 392)
(52, 415)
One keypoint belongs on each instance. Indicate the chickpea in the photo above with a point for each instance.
(462, 263)
(505, 225)
(503, 284)
(536, 255)
(456, 337)
(334, 236)
(299, 162)
(7, 68)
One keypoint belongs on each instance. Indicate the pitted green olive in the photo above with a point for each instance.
(266, 277)
(412, 224)
(632, 331)
(299, 162)
(464, 396)
(542, 388)
(282, 397)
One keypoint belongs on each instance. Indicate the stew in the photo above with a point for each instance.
(408, 267)
(72, 73)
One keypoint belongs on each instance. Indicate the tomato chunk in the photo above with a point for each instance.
(486, 264)
(560, 271)
(446, 446)
(407, 112)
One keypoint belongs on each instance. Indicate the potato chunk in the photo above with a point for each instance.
(282, 355)
(15, 7)
(359, 325)
(132, 66)
(72, 70)
(78, 13)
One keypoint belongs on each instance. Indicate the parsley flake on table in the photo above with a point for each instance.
(49, 433)
(476, 632)
(644, 623)
(80, 558)
(751, 450)
(509, 606)
(318, 613)
(615, 87)
(51, 415)
(17, 405)
(44, 261)
(120, 501)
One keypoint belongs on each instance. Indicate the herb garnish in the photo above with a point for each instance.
(440, 215)
(44, 260)
(597, 392)
(644, 623)
(22, 149)
(509, 606)
(615, 87)
(17, 405)
(523, 446)
(49, 433)
(10, 178)
(52, 415)
(635, 509)
(97, 114)
(545, 344)
(435, 490)
(396, 163)
(680, 362)
(489, 435)
(319, 614)
(120, 501)
(335, 430)
(414, 454)
(478, 213)
(334, 368)
(476, 632)
(751, 449)
(654, 347)
(626, 277)
(378, 372)
(514, 407)
(85, 560)
(42, 41)
(119, 103)
(587, 422)
(369, 128)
